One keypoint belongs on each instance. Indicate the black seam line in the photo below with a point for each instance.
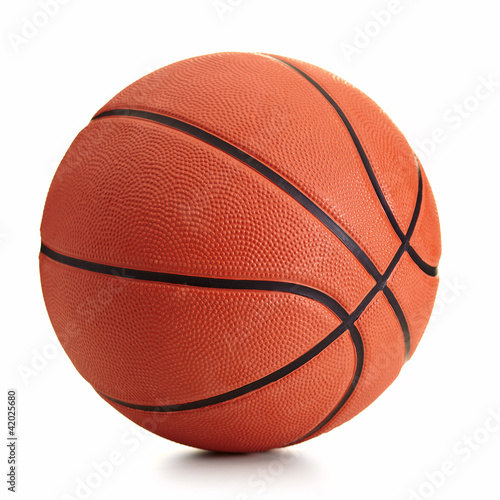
(360, 355)
(347, 324)
(219, 283)
(401, 319)
(381, 283)
(267, 172)
(200, 281)
(364, 158)
(355, 335)
(426, 268)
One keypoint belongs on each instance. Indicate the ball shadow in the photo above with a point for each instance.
(236, 474)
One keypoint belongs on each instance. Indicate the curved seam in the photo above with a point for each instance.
(366, 163)
(200, 281)
(283, 371)
(261, 168)
(360, 354)
(347, 324)
(401, 318)
(364, 159)
(394, 262)
(218, 283)
(424, 266)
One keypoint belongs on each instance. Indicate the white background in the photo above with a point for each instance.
(421, 67)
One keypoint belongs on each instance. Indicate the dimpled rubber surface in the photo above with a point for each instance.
(270, 417)
(426, 239)
(415, 293)
(265, 108)
(233, 346)
(390, 155)
(136, 194)
(218, 218)
(384, 357)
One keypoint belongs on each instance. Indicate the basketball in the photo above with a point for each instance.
(239, 252)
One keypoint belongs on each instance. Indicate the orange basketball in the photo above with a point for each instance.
(239, 252)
